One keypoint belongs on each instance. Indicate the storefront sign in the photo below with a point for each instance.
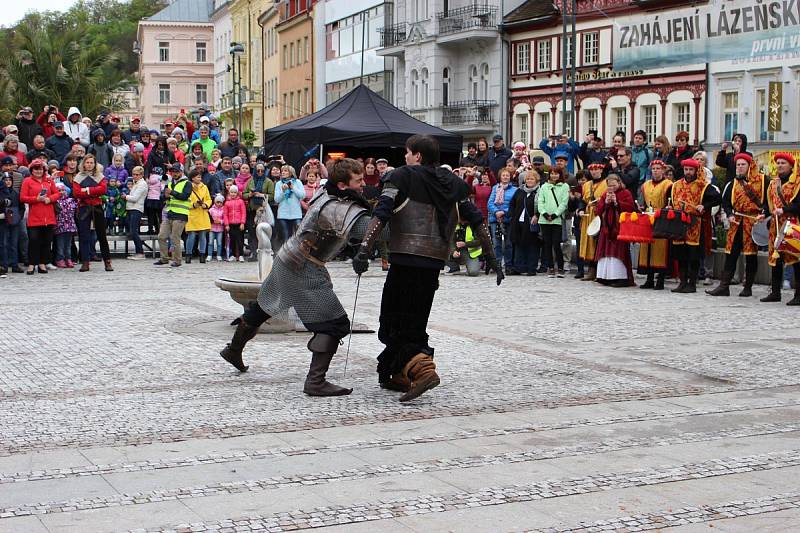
(720, 30)
(775, 107)
(595, 75)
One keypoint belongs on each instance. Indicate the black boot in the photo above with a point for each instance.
(649, 283)
(749, 279)
(723, 289)
(659, 282)
(232, 352)
(691, 284)
(682, 276)
(322, 347)
(775, 284)
(189, 259)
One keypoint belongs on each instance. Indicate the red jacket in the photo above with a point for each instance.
(96, 190)
(234, 211)
(48, 128)
(18, 155)
(40, 213)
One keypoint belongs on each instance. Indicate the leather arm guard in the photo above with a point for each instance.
(372, 234)
(488, 251)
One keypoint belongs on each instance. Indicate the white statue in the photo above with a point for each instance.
(264, 221)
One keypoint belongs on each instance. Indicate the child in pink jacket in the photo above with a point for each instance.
(234, 217)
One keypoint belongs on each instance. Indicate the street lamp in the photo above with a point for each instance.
(236, 50)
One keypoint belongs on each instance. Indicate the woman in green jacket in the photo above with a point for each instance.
(552, 202)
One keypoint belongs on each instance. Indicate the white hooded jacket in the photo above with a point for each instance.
(77, 131)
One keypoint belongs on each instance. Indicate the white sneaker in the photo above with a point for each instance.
(52, 267)
(708, 281)
(231, 259)
(208, 258)
(241, 259)
(219, 258)
(786, 285)
(136, 257)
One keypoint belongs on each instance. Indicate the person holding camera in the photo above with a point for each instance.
(9, 222)
(726, 157)
(27, 127)
(75, 128)
(40, 193)
(591, 150)
(556, 145)
(289, 191)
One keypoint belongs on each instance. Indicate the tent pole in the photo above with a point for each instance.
(363, 38)
(320, 152)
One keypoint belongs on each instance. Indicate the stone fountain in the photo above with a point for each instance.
(245, 290)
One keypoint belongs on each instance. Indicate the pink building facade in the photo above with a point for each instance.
(176, 61)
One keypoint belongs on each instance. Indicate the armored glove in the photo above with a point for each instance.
(361, 260)
(488, 250)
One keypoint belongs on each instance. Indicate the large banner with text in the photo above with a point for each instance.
(720, 30)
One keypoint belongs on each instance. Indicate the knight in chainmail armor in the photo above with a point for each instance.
(337, 215)
(424, 202)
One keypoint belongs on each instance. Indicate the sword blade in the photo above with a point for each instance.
(352, 320)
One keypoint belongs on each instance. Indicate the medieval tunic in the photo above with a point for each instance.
(592, 191)
(746, 198)
(613, 256)
(653, 256)
(687, 196)
(785, 195)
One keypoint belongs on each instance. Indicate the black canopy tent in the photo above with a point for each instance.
(359, 124)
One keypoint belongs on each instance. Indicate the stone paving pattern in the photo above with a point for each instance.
(564, 407)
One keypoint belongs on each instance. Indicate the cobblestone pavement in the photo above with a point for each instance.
(564, 407)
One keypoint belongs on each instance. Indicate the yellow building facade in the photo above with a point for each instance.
(271, 70)
(249, 65)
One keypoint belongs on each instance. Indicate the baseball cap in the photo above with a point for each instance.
(27, 109)
(497, 137)
(58, 124)
(382, 160)
(12, 128)
(136, 119)
(171, 123)
(561, 156)
(7, 160)
(537, 159)
(204, 119)
(175, 166)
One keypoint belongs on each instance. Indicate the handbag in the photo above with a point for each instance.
(10, 218)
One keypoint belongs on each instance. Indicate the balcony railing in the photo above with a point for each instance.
(469, 112)
(472, 17)
(393, 35)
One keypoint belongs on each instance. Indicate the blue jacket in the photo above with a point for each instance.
(498, 159)
(641, 156)
(60, 146)
(288, 201)
(9, 199)
(492, 207)
(571, 149)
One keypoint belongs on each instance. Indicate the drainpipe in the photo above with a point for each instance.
(263, 86)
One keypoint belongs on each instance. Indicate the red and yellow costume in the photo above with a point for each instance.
(742, 202)
(653, 256)
(687, 196)
(592, 192)
(788, 192)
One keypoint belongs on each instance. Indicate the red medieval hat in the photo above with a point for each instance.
(657, 163)
(690, 163)
(789, 158)
(744, 156)
(600, 166)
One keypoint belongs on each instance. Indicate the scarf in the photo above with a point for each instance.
(527, 189)
(346, 194)
(499, 197)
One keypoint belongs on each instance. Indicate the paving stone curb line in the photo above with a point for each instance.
(370, 471)
(409, 413)
(489, 496)
(249, 455)
(685, 515)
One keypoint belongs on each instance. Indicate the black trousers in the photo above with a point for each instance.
(750, 261)
(338, 327)
(688, 256)
(551, 234)
(777, 276)
(237, 240)
(40, 241)
(405, 309)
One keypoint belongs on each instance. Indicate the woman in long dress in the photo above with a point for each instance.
(613, 256)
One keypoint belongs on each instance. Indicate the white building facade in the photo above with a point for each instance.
(349, 36)
(451, 64)
(659, 101)
(739, 100)
(223, 35)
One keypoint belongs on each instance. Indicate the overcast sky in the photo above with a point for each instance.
(13, 10)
